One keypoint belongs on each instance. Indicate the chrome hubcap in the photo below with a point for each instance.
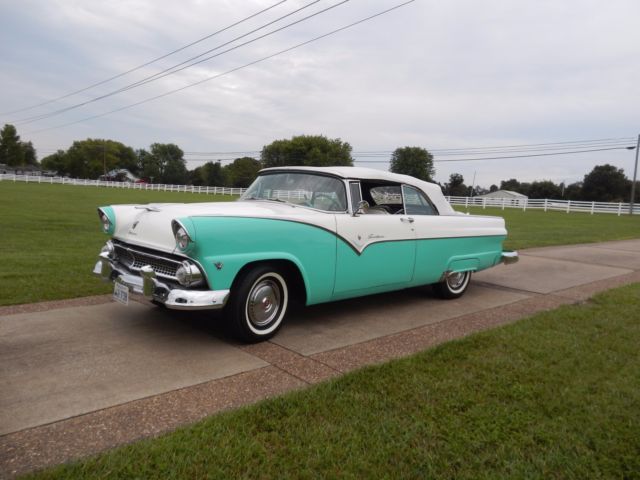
(264, 303)
(455, 280)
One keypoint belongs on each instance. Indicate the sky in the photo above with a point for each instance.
(446, 76)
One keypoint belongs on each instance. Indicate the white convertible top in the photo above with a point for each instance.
(433, 190)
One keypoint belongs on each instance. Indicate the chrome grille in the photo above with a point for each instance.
(135, 258)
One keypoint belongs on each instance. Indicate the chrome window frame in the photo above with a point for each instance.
(424, 195)
(320, 174)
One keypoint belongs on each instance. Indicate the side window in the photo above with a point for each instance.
(356, 195)
(389, 195)
(416, 203)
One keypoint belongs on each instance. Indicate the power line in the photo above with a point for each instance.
(509, 157)
(502, 151)
(222, 153)
(147, 63)
(365, 153)
(512, 148)
(451, 159)
(174, 69)
(583, 143)
(600, 140)
(255, 62)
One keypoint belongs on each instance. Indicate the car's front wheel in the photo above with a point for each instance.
(258, 303)
(453, 286)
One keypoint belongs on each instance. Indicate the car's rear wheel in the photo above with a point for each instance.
(258, 304)
(453, 286)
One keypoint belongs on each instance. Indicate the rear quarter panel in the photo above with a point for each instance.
(455, 243)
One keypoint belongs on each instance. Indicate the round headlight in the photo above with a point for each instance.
(188, 274)
(182, 238)
(106, 223)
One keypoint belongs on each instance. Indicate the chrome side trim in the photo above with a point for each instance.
(509, 258)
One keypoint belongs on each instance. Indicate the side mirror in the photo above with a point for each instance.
(361, 208)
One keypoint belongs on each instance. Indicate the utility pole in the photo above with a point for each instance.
(633, 184)
(473, 183)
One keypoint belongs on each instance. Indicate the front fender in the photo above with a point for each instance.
(226, 244)
(222, 270)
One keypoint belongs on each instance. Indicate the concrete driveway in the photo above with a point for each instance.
(79, 378)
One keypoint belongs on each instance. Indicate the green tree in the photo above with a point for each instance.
(148, 166)
(165, 163)
(29, 154)
(56, 162)
(210, 174)
(307, 150)
(544, 189)
(605, 183)
(573, 191)
(93, 157)
(242, 172)
(456, 186)
(493, 188)
(11, 151)
(511, 185)
(414, 161)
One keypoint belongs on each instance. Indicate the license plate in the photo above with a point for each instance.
(121, 293)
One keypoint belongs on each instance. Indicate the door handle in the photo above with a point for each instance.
(407, 219)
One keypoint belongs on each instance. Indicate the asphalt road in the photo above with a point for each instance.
(79, 365)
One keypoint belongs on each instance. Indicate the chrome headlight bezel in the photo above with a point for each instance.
(181, 235)
(106, 220)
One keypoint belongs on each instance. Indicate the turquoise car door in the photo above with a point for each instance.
(373, 252)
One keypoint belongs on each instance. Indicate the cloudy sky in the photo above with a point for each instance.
(447, 76)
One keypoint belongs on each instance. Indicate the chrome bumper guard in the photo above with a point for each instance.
(147, 285)
(509, 257)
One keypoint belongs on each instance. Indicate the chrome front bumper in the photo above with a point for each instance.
(509, 257)
(147, 285)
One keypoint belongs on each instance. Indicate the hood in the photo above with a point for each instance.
(150, 225)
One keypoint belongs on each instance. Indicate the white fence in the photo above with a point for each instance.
(567, 206)
(546, 204)
(127, 185)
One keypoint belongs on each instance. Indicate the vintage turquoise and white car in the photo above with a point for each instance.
(310, 234)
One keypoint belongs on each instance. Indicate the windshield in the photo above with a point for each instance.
(306, 189)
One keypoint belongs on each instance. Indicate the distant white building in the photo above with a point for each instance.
(506, 197)
(120, 175)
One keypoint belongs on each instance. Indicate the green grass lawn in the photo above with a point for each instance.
(556, 395)
(537, 228)
(50, 235)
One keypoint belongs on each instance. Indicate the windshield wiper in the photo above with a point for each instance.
(274, 199)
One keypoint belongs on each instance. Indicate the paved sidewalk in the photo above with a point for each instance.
(86, 375)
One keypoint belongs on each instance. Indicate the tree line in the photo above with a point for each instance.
(165, 163)
(604, 183)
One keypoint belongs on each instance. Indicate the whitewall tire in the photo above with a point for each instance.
(258, 304)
